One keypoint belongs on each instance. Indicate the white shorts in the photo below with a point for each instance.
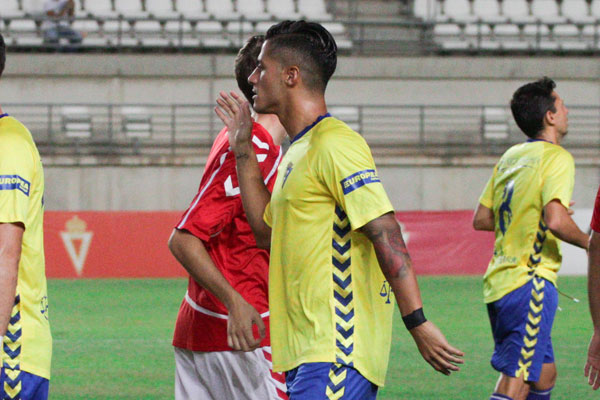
(222, 375)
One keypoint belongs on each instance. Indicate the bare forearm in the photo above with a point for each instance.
(562, 225)
(570, 233)
(192, 255)
(394, 261)
(255, 195)
(594, 279)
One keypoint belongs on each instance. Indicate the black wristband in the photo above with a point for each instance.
(414, 319)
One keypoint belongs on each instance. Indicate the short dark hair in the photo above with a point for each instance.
(530, 103)
(246, 62)
(2, 54)
(308, 45)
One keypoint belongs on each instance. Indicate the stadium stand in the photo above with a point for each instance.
(167, 24)
(513, 25)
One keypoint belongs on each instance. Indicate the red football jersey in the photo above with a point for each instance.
(595, 225)
(216, 216)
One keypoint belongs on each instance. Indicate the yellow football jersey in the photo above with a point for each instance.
(27, 343)
(527, 177)
(329, 300)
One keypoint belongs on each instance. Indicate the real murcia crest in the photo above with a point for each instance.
(76, 233)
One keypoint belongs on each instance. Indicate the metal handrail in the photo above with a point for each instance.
(179, 129)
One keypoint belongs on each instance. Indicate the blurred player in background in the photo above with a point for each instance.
(526, 202)
(592, 366)
(335, 239)
(227, 290)
(24, 328)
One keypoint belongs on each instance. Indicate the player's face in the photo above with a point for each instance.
(265, 80)
(561, 115)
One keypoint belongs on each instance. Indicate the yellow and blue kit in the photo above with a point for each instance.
(520, 281)
(27, 343)
(325, 284)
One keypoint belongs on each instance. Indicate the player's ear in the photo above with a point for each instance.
(291, 75)
(550, 118)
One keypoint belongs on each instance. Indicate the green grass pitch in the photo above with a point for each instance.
(112, 340)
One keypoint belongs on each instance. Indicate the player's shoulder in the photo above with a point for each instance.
(555, 153)
(336, 134)
(14, 136)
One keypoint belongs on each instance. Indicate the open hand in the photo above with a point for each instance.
(435, 349)
(234, 111)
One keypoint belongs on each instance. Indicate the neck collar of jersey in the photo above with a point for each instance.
(539, 140)
(308, 128)
(3, 115)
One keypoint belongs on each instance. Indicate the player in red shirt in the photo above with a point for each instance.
(226, 304)
(592, 366)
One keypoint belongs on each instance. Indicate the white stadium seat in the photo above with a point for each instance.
(282, 9)
(191, 9)
(547, 11)
(517, 11)
(130, 8)
(100, 9)
(76, 121)
(221, 9)
(136, 121)
(495, 123)
(313, 9)
(36, 7)
(459, 11)
(86, 25)
(10, 9)
(253, 10)
(506, 30)
(426, 9)
(161, 9)
(577, 11)
(488, 11)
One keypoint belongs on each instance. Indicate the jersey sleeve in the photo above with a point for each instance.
(595, 225)
(345, 166)
(218, 200)
(487, 197)
(558, 176)
(17, 170)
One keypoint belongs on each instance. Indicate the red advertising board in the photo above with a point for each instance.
(92, 244)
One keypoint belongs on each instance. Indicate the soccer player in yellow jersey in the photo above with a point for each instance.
(526, 203)
(26, 343)
(334, 239)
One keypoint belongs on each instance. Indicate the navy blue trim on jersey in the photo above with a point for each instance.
(308, 128)
(3, 115)
(530, 140)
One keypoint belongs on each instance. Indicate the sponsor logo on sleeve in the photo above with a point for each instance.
(14, 182)
(359, 179)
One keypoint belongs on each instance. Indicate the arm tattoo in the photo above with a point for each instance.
(242, 156)
(390, 248)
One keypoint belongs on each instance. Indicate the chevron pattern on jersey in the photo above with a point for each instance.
(342, 288)
(538, 245)
(534, 317)
(12, 351)
(337, 382)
